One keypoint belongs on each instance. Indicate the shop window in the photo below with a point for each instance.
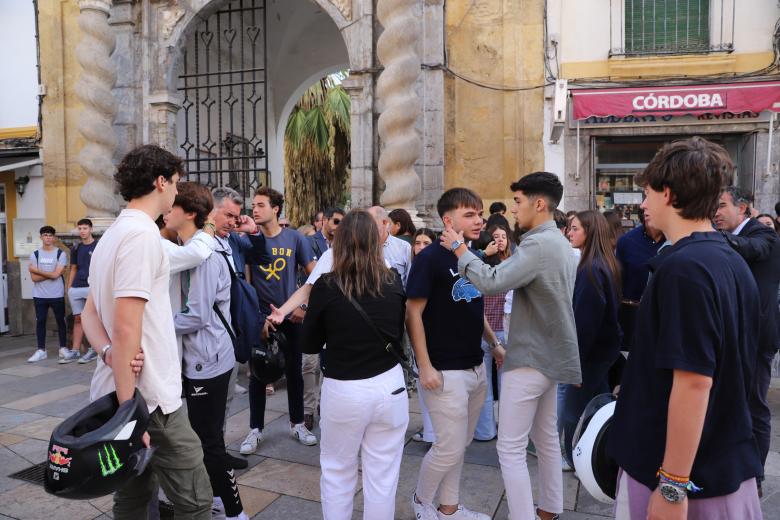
(667, 26)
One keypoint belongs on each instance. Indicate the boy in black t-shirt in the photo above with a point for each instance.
(445, 319)
(682, 426)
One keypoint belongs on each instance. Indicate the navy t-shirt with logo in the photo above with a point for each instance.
(81, 256)
(699, 313)
(454, 313)
(275, 282)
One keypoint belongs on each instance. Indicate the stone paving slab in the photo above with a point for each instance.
(32, 450)
(282, 477)
(10, 463)
(30, 501)
(10, 419)
(28, 371)
(40, 429)
(9, 439)
(54, 397)
(287, 507)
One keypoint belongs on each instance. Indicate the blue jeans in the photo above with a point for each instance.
(486, 424)
(594, 382)
(41, 312)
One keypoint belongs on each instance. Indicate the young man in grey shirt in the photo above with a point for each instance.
(46, 267)
(541, 346)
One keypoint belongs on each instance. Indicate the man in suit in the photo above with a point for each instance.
(321, 240)
(760, 248)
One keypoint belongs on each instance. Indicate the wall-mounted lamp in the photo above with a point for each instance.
(21, 184)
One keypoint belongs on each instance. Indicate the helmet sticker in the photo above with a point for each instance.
(58, 460)
(110, 464)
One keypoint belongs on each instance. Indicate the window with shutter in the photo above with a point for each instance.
(667, 26)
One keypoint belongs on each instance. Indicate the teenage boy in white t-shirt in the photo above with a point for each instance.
(128, 310)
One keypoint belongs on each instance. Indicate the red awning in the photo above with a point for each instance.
(735, 98)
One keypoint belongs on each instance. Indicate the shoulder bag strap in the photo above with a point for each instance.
(224, 322)
(388, 344)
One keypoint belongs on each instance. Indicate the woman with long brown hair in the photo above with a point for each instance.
(357, 310)
(596, 301)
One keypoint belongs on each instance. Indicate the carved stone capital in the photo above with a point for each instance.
(344, 7)
(97, 5)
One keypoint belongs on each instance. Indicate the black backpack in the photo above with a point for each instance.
(246, 329)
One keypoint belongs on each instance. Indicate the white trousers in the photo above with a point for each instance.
(454, 410)
(428, 433)
(363, 416)
(528, 407)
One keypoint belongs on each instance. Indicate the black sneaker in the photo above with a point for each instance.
(237, 462)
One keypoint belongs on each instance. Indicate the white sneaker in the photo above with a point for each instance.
(39, 355)
(67, 356)
(238, 389)
(423, 511)
(303, 435)
(241, 516)
(217, 509)
(463, 514)
(90, 355)
(251, 442)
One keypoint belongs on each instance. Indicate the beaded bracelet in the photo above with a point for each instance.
(681, 482)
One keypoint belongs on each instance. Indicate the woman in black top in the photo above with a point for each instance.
(596, 301)
(364, 403)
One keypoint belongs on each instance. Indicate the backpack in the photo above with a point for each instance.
(38, 260)
(246, 330)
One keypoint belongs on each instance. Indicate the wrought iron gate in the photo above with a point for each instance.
(224, 133)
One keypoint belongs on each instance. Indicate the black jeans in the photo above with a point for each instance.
(206, 401)
(758, 405)
(594, 382)
(41, 311)
(293, 361)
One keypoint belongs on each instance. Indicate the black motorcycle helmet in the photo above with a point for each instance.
(98, 449)
(267, 361)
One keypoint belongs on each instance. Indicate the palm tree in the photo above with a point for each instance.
(317, 150)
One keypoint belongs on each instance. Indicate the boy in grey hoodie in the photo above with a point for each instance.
(207, 358)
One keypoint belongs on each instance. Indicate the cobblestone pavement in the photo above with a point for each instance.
(282, 481)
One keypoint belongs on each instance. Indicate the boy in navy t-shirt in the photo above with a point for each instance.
(682, 426)
(77, 287)
(445, 319)
(275, 282)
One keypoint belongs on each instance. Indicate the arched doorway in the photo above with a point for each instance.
(240, 67)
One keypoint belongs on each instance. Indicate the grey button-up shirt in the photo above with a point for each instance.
(542, 334)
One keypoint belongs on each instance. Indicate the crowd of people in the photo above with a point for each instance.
(678, 316)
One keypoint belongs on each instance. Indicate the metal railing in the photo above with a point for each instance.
(667, 27)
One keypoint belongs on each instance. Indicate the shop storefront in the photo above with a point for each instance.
(615, 132)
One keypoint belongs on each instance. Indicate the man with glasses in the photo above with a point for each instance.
(46, 267)
(321, 240)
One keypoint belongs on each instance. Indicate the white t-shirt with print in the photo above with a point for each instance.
(129, 261)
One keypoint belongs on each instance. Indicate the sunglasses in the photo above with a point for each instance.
(337, 221)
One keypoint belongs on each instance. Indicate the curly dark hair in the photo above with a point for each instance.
(695, 170)
(141, 166)
(194, 198)
(275, 198)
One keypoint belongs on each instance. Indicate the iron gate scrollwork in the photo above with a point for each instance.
(224, 84)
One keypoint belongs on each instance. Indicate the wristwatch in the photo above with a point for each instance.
(103, 352)
(455, 245)
(303, 306)
(671, 493)
(494, 345)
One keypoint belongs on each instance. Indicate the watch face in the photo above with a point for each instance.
(672, 493)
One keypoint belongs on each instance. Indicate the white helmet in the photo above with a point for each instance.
(596, 470)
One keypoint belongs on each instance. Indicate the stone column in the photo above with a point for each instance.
(162, 120)
(95, 122)
(397, 50)
(361, 108)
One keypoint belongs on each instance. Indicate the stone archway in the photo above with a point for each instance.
(342, 24)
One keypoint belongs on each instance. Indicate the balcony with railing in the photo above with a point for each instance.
(671, 27)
